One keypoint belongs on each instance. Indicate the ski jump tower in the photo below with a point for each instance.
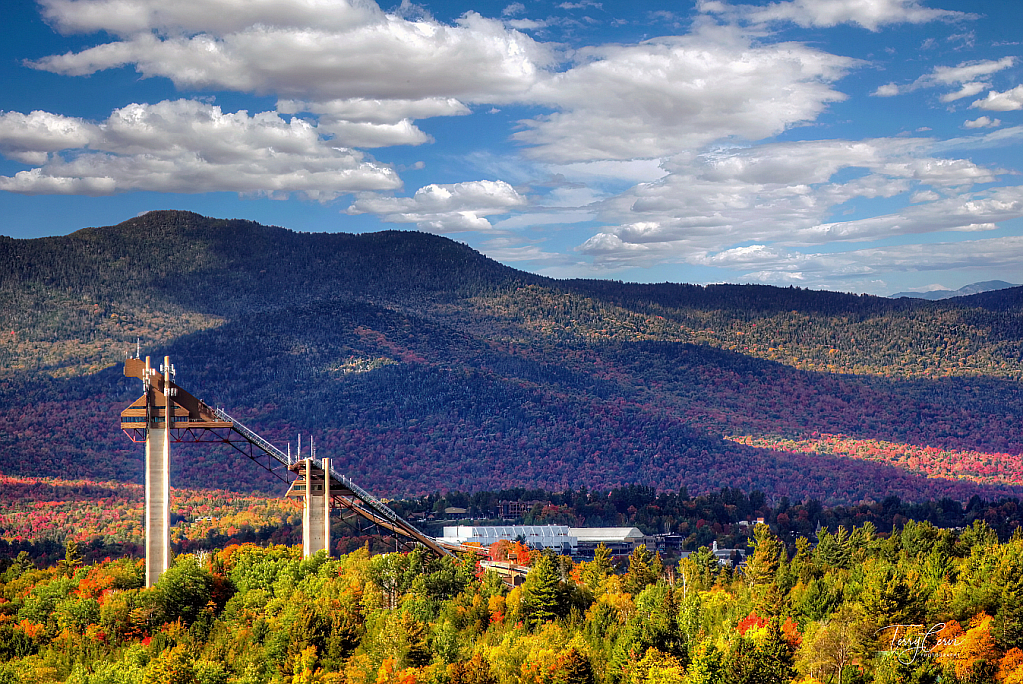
(166, 414)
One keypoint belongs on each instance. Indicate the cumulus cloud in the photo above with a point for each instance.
(966, 75)
(776, 265)
(664, 96)
(785, 192)
(379, 111)
(966, 212)
(1009, 101)
(127, 17)
(982, 122)
(870, 14)
(447, 208)
(304, 49)
(29, 138)
(182, 146)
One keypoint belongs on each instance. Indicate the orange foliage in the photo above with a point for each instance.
(751, 621)
(1010, 669)
(31, 629)
(790, 632)
(964, 652)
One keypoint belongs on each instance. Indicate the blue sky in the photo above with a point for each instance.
(856, 145)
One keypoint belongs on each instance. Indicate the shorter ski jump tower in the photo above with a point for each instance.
(166, 414)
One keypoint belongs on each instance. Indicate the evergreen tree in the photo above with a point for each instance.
(598, 569)
(417, 650)
(764, 562)
(640, 572)
(541, 596)
(574, 668)
(72, 559)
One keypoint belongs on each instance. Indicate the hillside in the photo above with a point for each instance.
(421, 365)
(971, 289)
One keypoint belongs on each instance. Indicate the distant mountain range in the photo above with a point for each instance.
(975, 288)
(419, 365)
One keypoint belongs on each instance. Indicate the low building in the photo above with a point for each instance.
(620, 540)
(726, 557)
(454, 512)
(511, 510)
(555, 537)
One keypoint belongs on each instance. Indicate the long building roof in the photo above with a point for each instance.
(605, 534)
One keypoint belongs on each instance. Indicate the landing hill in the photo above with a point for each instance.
(421, 365)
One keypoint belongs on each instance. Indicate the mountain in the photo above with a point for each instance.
(975, 288)
(419, 365)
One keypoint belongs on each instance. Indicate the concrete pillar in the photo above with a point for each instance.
(158, 483)
(326, 504)
(315, 519)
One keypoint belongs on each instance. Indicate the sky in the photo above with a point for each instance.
(867, 146)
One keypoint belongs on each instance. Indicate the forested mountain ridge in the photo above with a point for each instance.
(422, 365)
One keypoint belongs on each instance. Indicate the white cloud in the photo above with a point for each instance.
(968, 71)
(183, 146)
(774, 265)
(967, 90)
(870, 14)
(982, 122)
(1009, 101)
(546, 218)
(376, 110)
(966, 212)
(664, 96)
(964, 75)
(784, 193)
(448, 208)
(29, 138)
(128, 17)
(356, 51)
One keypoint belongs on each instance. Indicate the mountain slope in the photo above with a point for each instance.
(966, 290)
(418, 364)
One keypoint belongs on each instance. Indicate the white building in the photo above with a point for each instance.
(620, 540)
(554, 537)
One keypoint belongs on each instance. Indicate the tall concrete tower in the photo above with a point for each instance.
(313, 486)
(158, 440)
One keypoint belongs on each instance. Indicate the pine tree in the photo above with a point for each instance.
(417, 653)
(640, 573)
(542, 591)
(574, 668)
(764, 562)
(72, 559)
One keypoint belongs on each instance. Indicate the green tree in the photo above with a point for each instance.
(476, 670)
(172, 666)
(764, 562)
(706, 665)
(184, 590)
(542, 593)
(598, 569)
(833, 550)
(72, 559)
(573, 668)
(640, 572)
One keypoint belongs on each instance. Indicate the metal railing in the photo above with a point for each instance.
(374, 504)
(248, 434)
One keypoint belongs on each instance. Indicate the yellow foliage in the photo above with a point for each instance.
(622, 602)
(497, 606)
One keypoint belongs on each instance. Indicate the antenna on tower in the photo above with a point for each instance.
(138, 347)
